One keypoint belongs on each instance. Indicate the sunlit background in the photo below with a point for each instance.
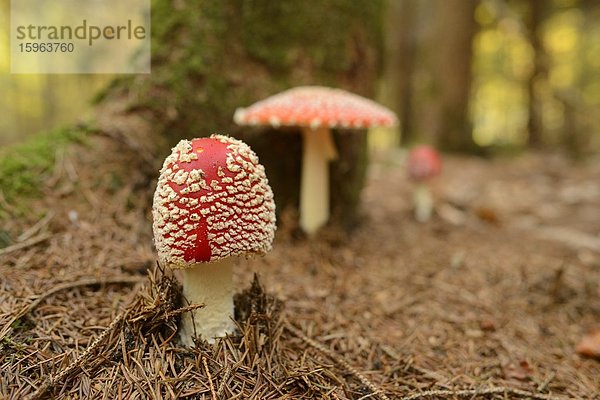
(558, 63)
(39, 102)
(568, 82)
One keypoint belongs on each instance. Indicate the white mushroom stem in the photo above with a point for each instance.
(211, 284)
(319, 149)
(423, 202)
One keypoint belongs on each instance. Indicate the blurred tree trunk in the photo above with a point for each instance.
(212, 56)
(572, 139)
(402, 28)
(538, 73)
(450, 63)
(578, 129)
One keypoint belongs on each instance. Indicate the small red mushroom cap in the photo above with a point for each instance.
(212, 201)
(315, 106)
(424, 163)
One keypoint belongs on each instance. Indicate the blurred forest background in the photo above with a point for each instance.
(466, 75)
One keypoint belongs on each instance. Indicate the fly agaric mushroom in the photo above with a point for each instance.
(424, 163)
(212, 204)
(316, 110)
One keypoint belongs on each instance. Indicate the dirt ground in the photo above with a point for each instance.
(487, 300)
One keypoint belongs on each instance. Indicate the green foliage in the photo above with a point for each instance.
(24, 167)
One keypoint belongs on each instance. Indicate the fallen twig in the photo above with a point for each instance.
(338, 359)
(64, 286)
(480, 392)
(546, 381)
(570, 237)
(36, 227)
(18, 246)
(223, 382)
(210, 381)
(77, 363)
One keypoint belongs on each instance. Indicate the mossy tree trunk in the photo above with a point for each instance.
(212, 56)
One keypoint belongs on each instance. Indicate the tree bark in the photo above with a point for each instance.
(446, 118)
(402, 29)
(212, 56)
(538, 73)
(579, 128)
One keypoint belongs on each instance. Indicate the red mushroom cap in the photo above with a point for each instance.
(424, 162)
(212, 201)
(316, 106)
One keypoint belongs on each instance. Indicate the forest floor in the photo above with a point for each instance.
(487, 300)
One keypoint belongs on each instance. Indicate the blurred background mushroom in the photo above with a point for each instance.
(424, 164)
(316, 110)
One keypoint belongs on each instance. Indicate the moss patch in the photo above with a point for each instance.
(24, 167)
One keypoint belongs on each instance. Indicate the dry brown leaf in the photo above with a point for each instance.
(488, 214)
(589, 345)
(521, 371)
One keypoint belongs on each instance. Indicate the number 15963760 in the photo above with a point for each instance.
(47, 47)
